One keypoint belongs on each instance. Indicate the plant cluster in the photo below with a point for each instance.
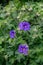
(21, 33)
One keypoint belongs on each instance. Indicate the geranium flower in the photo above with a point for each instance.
(24, 26)
(23, 48)
(12, 34)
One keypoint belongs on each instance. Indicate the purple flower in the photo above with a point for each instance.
(24, 26)
(23, 48)
(12, 34)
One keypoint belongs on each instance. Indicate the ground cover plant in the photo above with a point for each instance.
(21, 32)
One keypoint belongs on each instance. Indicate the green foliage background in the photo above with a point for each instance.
(11, 14)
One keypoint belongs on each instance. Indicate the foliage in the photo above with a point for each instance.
(10, 16)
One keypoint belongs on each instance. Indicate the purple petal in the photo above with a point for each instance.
(23, 48)
(24, 26)
(12, 34)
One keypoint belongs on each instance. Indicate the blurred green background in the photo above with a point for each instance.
(11, 13)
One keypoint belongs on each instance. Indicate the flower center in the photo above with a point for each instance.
(23, 48)
(25, 25)
(12, 32)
